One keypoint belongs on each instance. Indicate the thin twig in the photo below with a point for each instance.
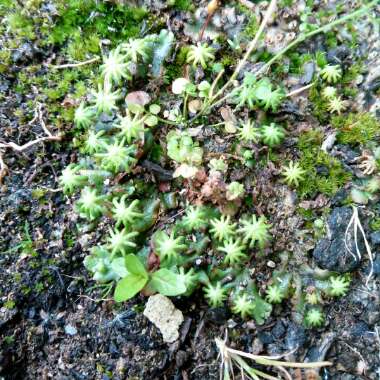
(297, 41)
(67, 65)
(298, 90)
(21, 148)
(252, 46)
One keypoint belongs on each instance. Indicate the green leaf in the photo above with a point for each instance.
(129, 286)
(134, 266)
(154, 109)
(118, 266)
(167, 283)
(151, 121)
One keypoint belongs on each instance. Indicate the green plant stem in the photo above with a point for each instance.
(298, 40)
(170, 122)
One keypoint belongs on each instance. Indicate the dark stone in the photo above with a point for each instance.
(308, 69)
(337, 55)
(181, 358)
(265, 337)
(24, 53)
(217, 315)
(375, 238)
(331, 252)
(339, 197)
(278, 330)
(295, 337)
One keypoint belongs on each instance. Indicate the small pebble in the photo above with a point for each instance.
(271, 264)
(70, 330)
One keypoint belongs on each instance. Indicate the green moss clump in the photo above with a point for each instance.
(181, 5)
(356, 128)
(325, 174)
(320, 105)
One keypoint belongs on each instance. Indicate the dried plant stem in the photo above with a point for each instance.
(230, 356)
(21, 148)
(68, 65)
(265, 67)
(252, 46)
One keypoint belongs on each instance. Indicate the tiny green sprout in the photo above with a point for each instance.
(235, 190)
(331, 73)
(248, 132)
(218, 165)
(90, 204)
(215, 294)
(274, 294)
(120, 241)
(124, 214)
(136, 48)
(293, 174)
(338, 286)
(94, 143)
(131, 127)
(83, 116)
(115, 67)
(234, 251)
(190, 279)
(312, 298)
(266, 96)
(199, 54)
(70, 179)
(329, 92)
(204, 89)
(117, 157)
(337, 105)
(255, 230)
(105, 100)
(222, 228)
(373, 185)
(195, 218)
(167, 246)
(243, 305)
(272, 134)
(314, 317)
(100, 264)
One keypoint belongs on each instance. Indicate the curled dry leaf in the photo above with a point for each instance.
(185, 171)
(194, 106)
(229, 118)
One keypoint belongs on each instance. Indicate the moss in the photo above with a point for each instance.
(356, 128)
(319, 104)
(325, 174)
(375, 224)
(181, 5)
(252, 24)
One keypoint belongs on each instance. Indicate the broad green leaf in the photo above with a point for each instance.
(154, 109)
(129, 286)
(118, 266)
(134, 266)
(151, 121)
(167, 283)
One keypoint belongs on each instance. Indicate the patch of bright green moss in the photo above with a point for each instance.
(325, 174)
(356, 128)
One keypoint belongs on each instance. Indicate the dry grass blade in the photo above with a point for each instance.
(230, 356)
